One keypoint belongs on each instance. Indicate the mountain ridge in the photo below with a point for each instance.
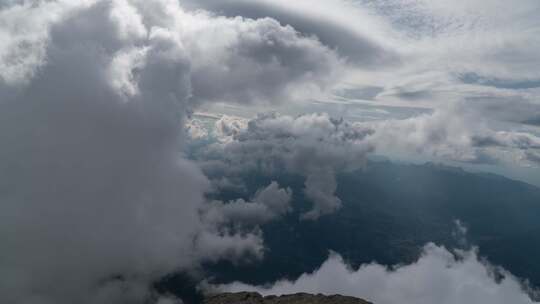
(297, 298)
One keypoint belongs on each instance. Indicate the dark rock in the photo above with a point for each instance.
(299, 298)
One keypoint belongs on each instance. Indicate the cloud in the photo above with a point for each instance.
(213, 246)
(97, 197)
(352, 31)
(452, 134)
(533, 157)
(267, 204)
(228, 127)
(514, 108)
(238, 222)
(168, 300)
(438, 276)
(273, 63)
(230, 59)
(492, 77)
(313, 145)
(195, 129)
(317, 147)
(451, 52)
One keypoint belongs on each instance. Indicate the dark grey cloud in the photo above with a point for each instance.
(271, 64)
(314, 146)
(93, 186)
(232, 229)
(97, 197)
(267, 204)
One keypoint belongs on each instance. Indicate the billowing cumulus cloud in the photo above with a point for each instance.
(267, 204)
(314, 146)
(452, 134)
(438, 276)
(238, 222)
(96, 197)
(272, 63)
(230, 59)
(354, 32)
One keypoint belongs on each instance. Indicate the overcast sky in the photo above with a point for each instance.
(472, 63)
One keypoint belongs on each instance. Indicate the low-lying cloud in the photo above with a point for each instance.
(317, 147)
(314, 146)
(238, 223)
(453, 134)
(438, 276)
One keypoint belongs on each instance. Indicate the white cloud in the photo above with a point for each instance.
(195, 129)
(227, 127)
(439, 276)
(452, 134)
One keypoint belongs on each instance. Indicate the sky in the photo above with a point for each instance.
(100, 101)
(470, 66)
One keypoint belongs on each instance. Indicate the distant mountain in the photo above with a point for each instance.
(390, 211)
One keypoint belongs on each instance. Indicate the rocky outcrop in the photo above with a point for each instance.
(298, 298)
